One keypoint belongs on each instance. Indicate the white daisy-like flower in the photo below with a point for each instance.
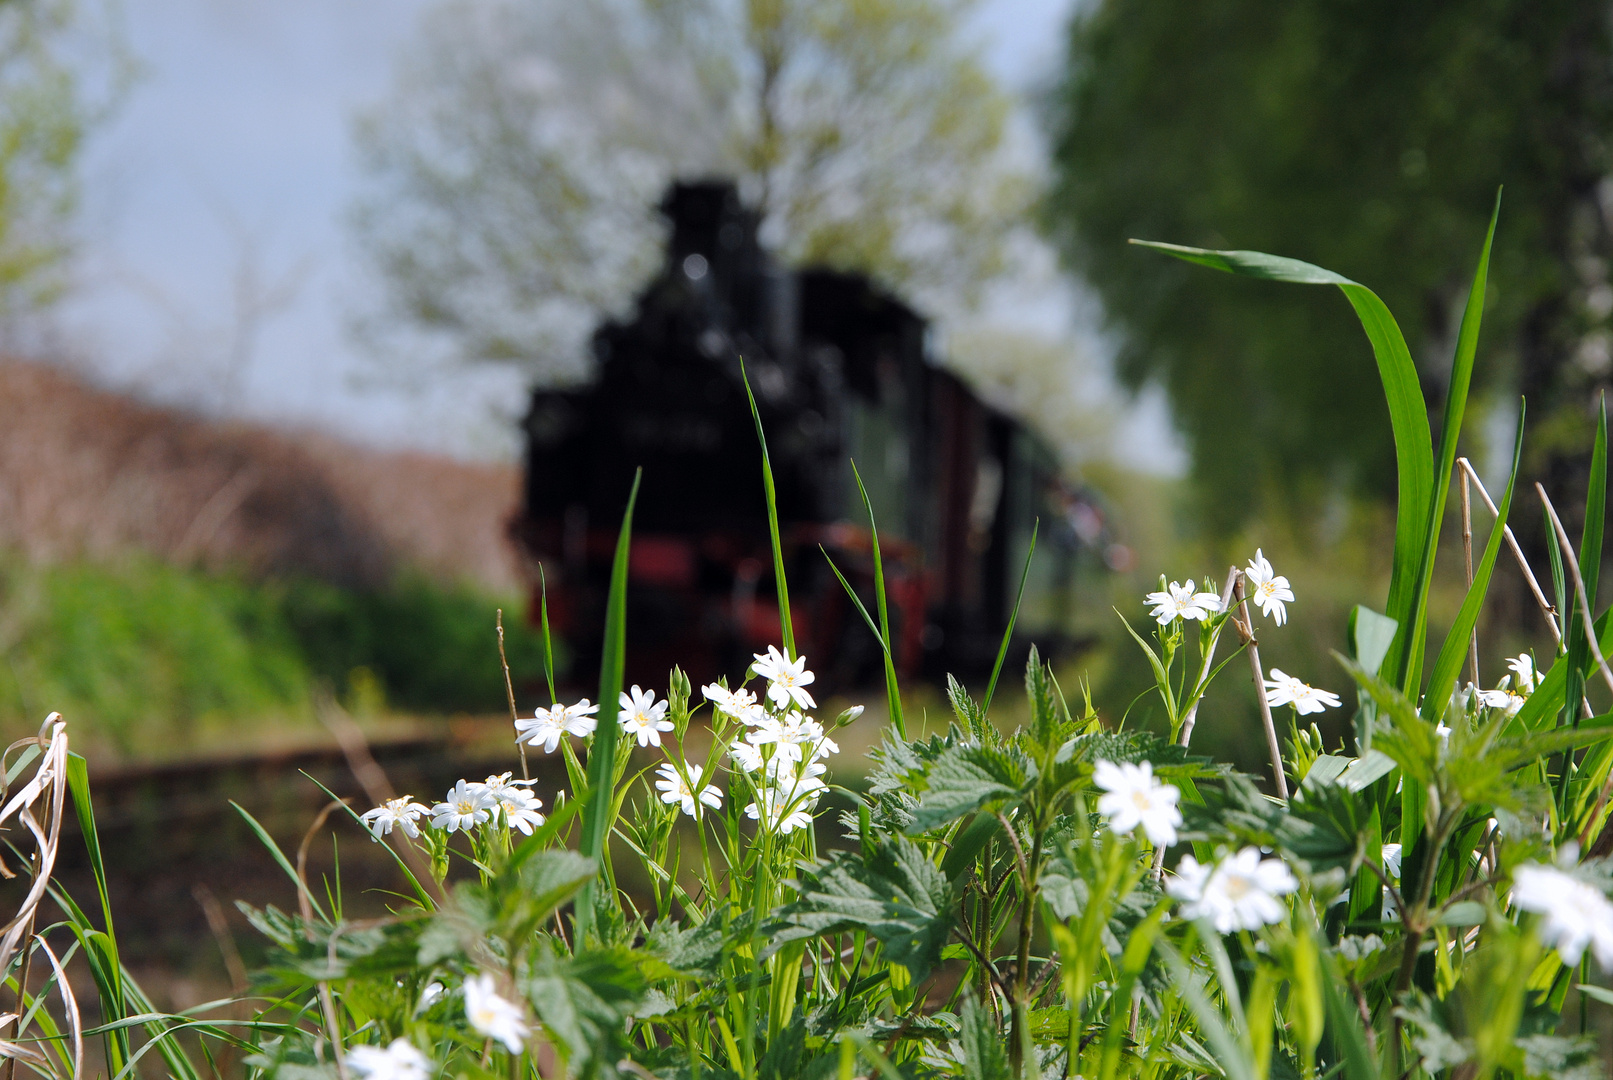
(402, 812)
(1284, 689)
(1134, 797)
(784, 814)
(688, 794)
(492, 1015)
(1574, 913)
(1269, 589)
(1241, 892)
(429, 996)
(789, 733)
(795, 779)
(398, 1061)
(1502, 697)
(642, 716)
(545, 729)
(786, 679)
(1523, 666)
(579, 719)
(1391, 860)
(1182, 602)
(464, 807)
(741, 704)
(520, 808)
(747, 755)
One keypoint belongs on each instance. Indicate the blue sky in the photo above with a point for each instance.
(217, 267)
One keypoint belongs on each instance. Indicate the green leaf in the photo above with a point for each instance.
(1013, 617)
(969, 714)
(585, 1000)
(965, 778)
(597, 814)
(1442, 681)
(893, 692)
(1371, 635)
(980, 1045)
(786, 624)
(1408, 412)
(899, 897)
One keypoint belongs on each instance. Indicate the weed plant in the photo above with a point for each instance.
(1073, 898)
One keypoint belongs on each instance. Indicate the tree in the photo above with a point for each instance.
(517, 165)
(1369, 137)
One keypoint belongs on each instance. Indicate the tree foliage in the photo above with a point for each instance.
(517, 164)
(1334, 133)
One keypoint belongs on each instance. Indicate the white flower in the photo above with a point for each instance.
(747, 755)
(689, 794)
(1391, 860)
(465, 806)
(1270, 588)
(1575, 913)
(784, 814)
(642, 716)
(399, 1061)
(1134, 797)
(548, 726)
(429, 996)
(492, 1015)
(786, 678)
(520, 808)
(1523, 666)
(402, 812)
(1181, 602)
(1284, 689)
(741, 704)
(1501, 698)
(579, 719)
(1240, 893)
(795, 779)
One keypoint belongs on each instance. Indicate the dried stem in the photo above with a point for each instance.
(1467, 559)
(1579, 587)
(509, 690)
(1245, 627)
(1546, 607)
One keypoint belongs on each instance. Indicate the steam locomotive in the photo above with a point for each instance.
(841, 373)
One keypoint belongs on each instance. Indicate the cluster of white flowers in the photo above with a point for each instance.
(397, 1061)
(784, 747)
(1182, 601)
(1238, 892)
(1573, 913)
(467, 805)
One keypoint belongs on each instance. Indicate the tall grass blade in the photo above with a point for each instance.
(1408, 412)
(786, 625)
(1013, 617)
(548, 645)
(893, 692)
(280, 858)
(1412, 645)
(597, 814)
(1590, 561)
(1448, 666)
(100, 947)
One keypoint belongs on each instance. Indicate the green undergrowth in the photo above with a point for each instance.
(153, 660)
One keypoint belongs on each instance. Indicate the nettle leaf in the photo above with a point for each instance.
(692, 953)
(966, 709)
(980, 1045)
(898, 896)
(313, 952)
(964, 779)
(584, 1001)
(1067, 894)
(1561, 1057)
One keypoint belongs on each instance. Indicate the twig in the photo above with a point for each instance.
(1579, 586)
(1245, 627)
(1467, 559)
(219, 925)
(1546, 607)
(509, 690)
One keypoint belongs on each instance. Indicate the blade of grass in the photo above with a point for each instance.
(105, 954)
(1408, 659)
(548, 647)
(893, 692)
(1013, 617)
(280, 858)
(1448, 666)
(786, 625)
(1590, 561)
(1408, 412)
(596, 815)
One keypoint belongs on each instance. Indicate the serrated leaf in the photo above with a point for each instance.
(899, 897)
(964, 779)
